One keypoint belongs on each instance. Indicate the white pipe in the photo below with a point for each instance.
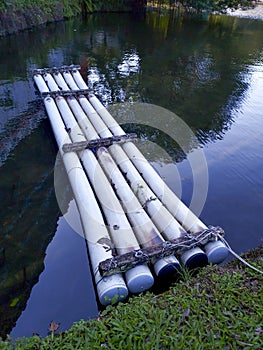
(39, 81)
(216, 251)
(162, 218)
(112, 288)
(70, 81)
(52, 85)
(79, 80)
(60, 81)
(146, 232)
(139, 278)
(165, 222)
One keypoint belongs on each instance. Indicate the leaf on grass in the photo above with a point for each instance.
(14, 302)
(216, 335)
(186, 314)
(258, 331)
(53, 326)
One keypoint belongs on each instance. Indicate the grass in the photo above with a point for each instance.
(219, 308)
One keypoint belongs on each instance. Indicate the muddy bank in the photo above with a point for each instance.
(14, 20)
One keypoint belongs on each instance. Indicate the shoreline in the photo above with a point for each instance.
(225, 302)
(13, 22)
(253, 13)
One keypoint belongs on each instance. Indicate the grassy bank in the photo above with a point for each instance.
(219, 308)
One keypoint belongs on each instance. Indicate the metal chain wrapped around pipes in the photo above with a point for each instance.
(108, 289)
(139, 278)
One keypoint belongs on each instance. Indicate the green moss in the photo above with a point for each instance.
(70, 7)
(219, 308)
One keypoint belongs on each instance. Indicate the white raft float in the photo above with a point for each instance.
(131, 220)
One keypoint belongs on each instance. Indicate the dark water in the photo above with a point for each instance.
(207, 71)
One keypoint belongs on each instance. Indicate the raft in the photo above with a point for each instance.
(137, 230)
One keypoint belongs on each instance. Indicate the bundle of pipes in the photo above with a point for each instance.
(139, 209)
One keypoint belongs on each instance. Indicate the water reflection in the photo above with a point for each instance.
(28, 219)
(65, 281)
(130, 64)
(101, 82)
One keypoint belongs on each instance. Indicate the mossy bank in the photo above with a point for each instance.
(18, 15)
(220, 307)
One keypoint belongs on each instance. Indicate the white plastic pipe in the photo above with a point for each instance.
(216, 251)
(60, 81)
(70, 81)
(165, 222)
(162, 218)
(146, 232)
(112, 288)
(51, 84)
(144, 228)
(139, 278)
(79, 80)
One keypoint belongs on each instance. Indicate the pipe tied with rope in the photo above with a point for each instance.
(101, 142)
(124, 262)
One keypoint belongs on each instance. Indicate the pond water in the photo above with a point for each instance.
(208, 71)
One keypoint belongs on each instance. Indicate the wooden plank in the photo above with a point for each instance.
(93, 144)
(56, 69)
(67, 93)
